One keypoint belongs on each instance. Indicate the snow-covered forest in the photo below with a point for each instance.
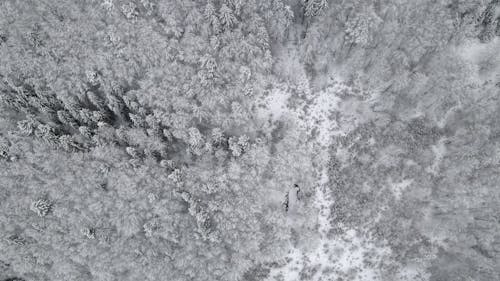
(250, 140)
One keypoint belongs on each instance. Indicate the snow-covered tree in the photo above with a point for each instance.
(227, 17)
(314, 7)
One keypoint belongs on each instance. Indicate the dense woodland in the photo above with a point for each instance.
(132, 144)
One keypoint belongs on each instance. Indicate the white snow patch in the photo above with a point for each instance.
(439, 150)
(316, 117)
(497, 12)
(320, 116)
(397, 188)
(274, 106)
(414, 272)
(484, 58)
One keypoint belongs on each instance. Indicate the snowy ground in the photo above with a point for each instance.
(348, 255)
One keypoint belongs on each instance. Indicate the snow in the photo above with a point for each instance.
(331, 257)
(319, 116)
(397, 188)
(439, 150)
(274, 106)
(315, 117)
(483, 58)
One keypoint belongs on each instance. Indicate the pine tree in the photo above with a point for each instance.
(130, 11)
(66, 118)
(218, 137)
(133, 152)
(315, 7)
(238, 145)
(196, 141)
(227, 17)
(211, 17)
(116, 105)
(357, 30)
(68, 143)
(41, 207)
(27, 127)
(85, 131)
(96, 100)
(47, 133)
(89, 233)
(92, 77)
